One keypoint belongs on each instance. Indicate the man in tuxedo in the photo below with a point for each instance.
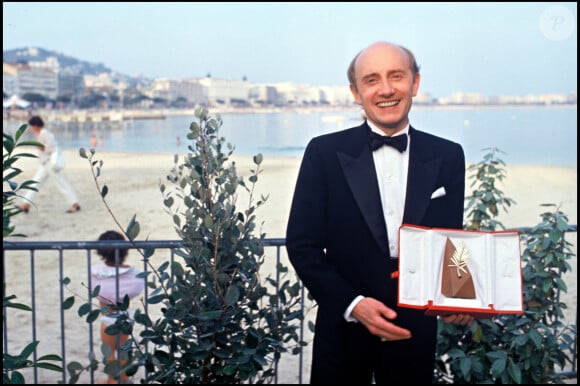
(351, 196)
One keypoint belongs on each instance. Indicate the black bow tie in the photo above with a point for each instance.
(399, 142)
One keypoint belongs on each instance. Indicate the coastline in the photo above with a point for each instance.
(118, 115)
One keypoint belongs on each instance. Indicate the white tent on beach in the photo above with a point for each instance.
(15, 101)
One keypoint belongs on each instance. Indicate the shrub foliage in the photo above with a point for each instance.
(531, 348)
(220, 322)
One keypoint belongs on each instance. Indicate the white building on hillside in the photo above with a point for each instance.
(35, 80)
(172, 89)
(226, 91)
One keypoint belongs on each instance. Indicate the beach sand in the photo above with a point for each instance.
(133, 182)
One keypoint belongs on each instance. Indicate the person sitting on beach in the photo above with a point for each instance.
(116, 279)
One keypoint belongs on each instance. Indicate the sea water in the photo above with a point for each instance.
(524, 135)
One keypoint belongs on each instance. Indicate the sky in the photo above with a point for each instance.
(489, 48)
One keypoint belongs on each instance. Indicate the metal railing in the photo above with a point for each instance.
(40, 255)
(58, 252)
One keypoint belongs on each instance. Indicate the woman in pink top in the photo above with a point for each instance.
(116, 279)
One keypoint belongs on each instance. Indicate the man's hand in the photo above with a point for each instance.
(375, 316)
(461, 319)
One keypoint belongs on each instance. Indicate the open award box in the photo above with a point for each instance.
(450, 271)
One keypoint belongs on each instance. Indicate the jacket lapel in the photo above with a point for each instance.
(423, 172)
(359, 171)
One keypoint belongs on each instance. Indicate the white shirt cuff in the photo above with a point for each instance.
(347, 315)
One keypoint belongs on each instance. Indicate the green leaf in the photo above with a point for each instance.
(17, 378)
(74, 367)
(498, 367)
(495, 355)
(155, 299)
(536, 338)
(258, 158)
(133, 229)
(177, 220)
(230, 369)
(113, 329)
(68, 303)
(93, 315)
(49, 366)
(561, 225)
(29, 349)
(515, 372)
(96, 291)
(561, 284)
(84, 309)
(209, 315)
(232, 295)
(465, 366)
(521, 340)
(177, 269)
(168, 202)
(50, 357)
(148, 252)
(477, 335)
(555, 236)
(18, 306)
(104, 191)
(260, 360)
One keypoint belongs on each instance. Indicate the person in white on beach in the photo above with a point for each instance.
(51, 164)
(115, 279)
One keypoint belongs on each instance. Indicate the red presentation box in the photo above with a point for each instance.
(450, 271)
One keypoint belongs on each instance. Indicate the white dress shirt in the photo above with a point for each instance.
(392, 169)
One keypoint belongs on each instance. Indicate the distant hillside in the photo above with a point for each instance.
(33, 54)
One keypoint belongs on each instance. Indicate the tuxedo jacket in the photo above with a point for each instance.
(336, 236)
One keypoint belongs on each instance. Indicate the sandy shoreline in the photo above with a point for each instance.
(133, 183)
